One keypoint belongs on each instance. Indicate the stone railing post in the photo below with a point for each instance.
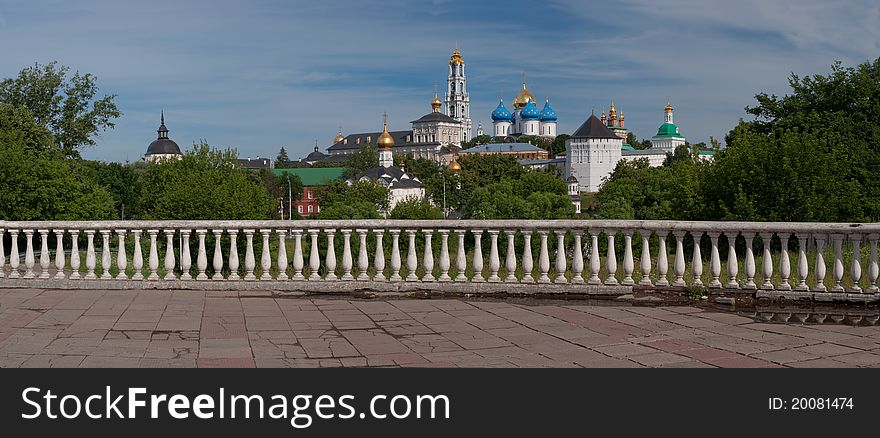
(445, 262)
(314, 256)
(185, 255)
(715, 260)
(121, 256)
(767, 261)
(412, 262)
(611, 258)
(265, 256)
(856, 262)
(527, 262)
(153, 257)
(544, 258)
(298, 261)
(330, 257)
(233, 254)
(837, 272)
(662, 259)
(250, 261)
(105, 255)
(29, 254)
(820, 263)
(697, 260)
(347, 261)
(14, 255)
(784, 263)
(428, 259)
(873, 266)
(2, 253)
(282, 255)
(379, 257)
(732, 262)
(749, 264)
(91, 258)
(561, 262)
(494, 261)
(460, 257)
(645, 259)
(478, 257)
(59, 254)
(803, 264)
(363, 259)
(577, 262)
(510, 259)
(137, 260)
(595, 262)
(44, 254)
(679, 265)
(218, 255)
(202, 258)
(628, 259)
(169, 255)
(395, 255)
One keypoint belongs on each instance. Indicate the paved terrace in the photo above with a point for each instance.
(93, 328)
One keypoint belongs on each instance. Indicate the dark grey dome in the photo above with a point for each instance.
(316, 155)
(163, 146)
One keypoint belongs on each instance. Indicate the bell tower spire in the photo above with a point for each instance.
(458, 103)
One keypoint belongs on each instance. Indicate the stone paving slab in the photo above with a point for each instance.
(187, 328)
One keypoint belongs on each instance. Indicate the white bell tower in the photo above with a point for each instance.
(458, 104)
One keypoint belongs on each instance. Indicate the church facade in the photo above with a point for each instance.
(526, 118)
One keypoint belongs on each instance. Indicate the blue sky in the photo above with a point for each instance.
(256, 75)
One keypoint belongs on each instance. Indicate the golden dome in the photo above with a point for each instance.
(523, 97)
(339, 137)
(454, 167)
(456, 58)
(612, 112)
(385, 140)
(436, 103)
(621, 117)
(604, 119)
(668, 108)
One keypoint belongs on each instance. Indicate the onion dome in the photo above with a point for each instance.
(456, 58)
(604, 119)
(530, 111)
(524, 97)
(163, 145)
(548, 114)
(612, 112)
(668, 108)
(501, 114)
(385, 140)
(454, 167)
(436, 103)
(339, 137)
(621, 116)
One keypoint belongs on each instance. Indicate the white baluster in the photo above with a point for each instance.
(169, 256)
(856, 263)
(91, 258)
(363, 260)
(13, 255)
(444, 255)
(645, 259)
(395, 255)
(460, 257)
(595, 263)
(478, 257)
(44, 254)
(510, 260)
(697, 261)
(330, 259)
(837, 272)
(750, 261)
(379, 257)
(105, 255)
(347, 262)
(412, 263)
(59, 254)
(662, 259)
(577, 262)
(314, 256)
(803, 264)
(429, 257)
(611, 258)
(732, 262)
(544, 258)
(767, 261)
(218, 255)
(715, 260)
(820, 264)
(679, 264)
(121, 256)
(2, 253)
(873, 267)
(29, 254)
(265, 257)
(561, 265)
(202, 257)
(527, 262)
(250, 261)
(298, 261)
(784, 264)
(137, 261)
(233, 254)
(628, 262)
(282, 255)
(494, 261)
(185, 256)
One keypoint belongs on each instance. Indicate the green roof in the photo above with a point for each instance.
(701, 152)
(627, 147)
(668, 130)
(313, 176)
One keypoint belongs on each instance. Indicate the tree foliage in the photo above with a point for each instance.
(67, 106)
(415, 209)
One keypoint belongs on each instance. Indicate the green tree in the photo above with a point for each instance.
(67, 106)
(122, 182)
(37, 182)
(370, 192)
(367, 157)
(415, 209)
(282, 158)
(204, 184)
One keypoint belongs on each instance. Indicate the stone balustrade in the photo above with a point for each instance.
(393, 255)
